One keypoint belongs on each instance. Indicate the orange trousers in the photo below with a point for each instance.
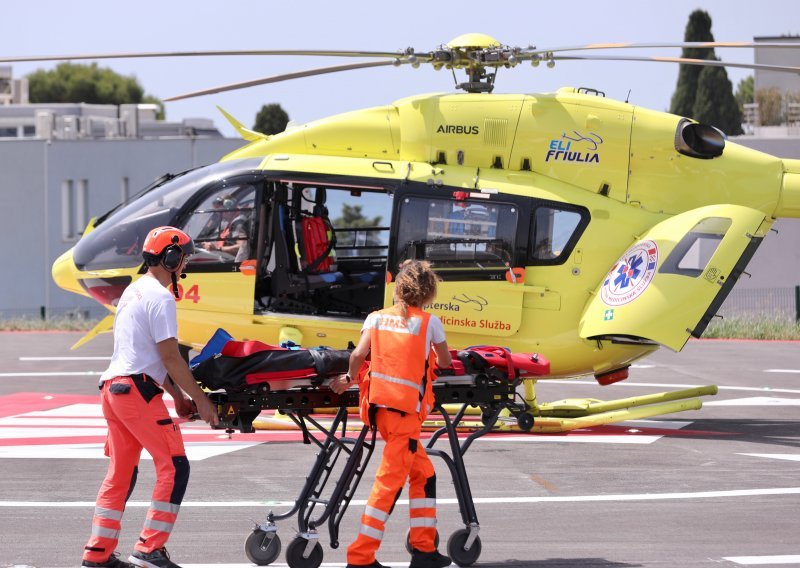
(404, 458)
(137, 418)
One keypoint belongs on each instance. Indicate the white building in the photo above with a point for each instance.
(62, 164)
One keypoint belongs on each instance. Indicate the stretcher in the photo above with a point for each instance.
(248, 378)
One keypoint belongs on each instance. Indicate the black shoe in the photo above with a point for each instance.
(375, 564)
(112, 562)
(433, 559)
(156, 559)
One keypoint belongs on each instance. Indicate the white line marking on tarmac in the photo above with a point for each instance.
(782, 370)
(74, 358)
(755, 401)
(278, 565)
(759, 560)
(484, 500)
(685, 386)
(790, 457)
(53, 374)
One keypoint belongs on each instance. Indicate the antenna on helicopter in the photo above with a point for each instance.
(628, 96)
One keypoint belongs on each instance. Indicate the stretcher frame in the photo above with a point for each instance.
(490, 390)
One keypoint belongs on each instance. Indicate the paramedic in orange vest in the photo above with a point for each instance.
(402, 341)
(146, 361)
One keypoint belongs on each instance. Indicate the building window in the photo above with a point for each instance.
(74, 208)
(68, 210)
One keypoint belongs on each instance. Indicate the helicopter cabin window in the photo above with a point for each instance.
(328, 249)
(694, 251)
(222, 226)
(466, 239)
(554, 233)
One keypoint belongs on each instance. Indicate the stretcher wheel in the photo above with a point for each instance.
(455, 548)
(408, 540)
(262, 548)
(294, 554)
(525, 421)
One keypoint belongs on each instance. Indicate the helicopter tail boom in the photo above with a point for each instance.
(789, 204)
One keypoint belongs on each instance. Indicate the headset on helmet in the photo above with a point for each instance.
(168, 246)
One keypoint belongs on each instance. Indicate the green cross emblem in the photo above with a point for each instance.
(608, 315)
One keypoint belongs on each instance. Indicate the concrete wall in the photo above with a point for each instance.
(32, 173)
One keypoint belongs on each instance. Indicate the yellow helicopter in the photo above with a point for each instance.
(568, 224)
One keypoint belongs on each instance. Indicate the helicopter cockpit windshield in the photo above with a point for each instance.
(116, 242)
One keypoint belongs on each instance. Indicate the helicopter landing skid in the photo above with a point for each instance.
(574, 413)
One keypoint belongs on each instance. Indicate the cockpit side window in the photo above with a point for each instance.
(555, 231)
(222, 225)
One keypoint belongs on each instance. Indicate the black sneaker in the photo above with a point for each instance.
(112, 562)
(156, 559)
(375, 564)
(433, 559)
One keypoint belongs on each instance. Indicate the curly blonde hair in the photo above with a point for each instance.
(415, 284)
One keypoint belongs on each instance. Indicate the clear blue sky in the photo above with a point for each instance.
(58, 27)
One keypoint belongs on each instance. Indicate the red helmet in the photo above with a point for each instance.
(167, 246)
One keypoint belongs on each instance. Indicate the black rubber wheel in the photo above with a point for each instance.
(455, 548)
(262, 548)
(525, 421)
(294, 554)
(408, 540)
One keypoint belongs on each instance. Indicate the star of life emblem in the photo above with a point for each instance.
(631, 274)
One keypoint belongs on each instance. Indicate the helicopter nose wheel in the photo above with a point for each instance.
(262, 547)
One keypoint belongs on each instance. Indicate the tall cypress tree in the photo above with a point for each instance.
(705, 93)
(698, 29)
(715, 103)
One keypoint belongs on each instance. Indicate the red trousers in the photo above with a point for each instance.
(404, 458)
(137, 418)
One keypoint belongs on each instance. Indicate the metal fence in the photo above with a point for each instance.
(54, 313)
(772, 303)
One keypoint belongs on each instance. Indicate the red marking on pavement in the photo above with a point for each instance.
(23, 402)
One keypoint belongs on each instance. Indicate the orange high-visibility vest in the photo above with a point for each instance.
(400, 376)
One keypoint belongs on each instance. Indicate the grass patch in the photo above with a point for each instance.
(50, 324)
(752, 328)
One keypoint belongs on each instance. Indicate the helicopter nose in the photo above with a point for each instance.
(65, 274)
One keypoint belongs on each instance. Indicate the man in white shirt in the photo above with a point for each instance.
(146, 361)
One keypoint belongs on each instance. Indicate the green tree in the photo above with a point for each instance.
(698, 29)
(353, 218)
(715, 103)
(770, 106)
(77, 83)
(705, 93)
(744, 91)
(271, 119)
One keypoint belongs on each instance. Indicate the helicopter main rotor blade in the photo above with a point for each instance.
(153, 54)
(684, 60)
(685, 45)
(285, 77)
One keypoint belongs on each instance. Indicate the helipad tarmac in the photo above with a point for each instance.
(718, 486)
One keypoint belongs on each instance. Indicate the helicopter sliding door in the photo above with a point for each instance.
(326, 254)
(673, 279)
(471, 239)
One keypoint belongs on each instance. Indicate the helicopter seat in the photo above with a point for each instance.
(315, 243)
